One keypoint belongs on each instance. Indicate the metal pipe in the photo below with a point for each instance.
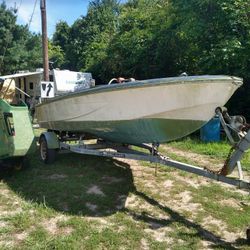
(22, 91)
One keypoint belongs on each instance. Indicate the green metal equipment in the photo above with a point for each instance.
(16, 132)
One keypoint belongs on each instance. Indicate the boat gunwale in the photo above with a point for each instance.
(144, 83)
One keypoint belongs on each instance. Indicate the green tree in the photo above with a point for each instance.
(159, 38)
(61, 42)
(19, 48)
(7, 26)
(217, 34)
(56, 55)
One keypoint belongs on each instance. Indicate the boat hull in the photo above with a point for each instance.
(154, 111)
(134, 131)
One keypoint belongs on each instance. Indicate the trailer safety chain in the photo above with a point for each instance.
(224, 170)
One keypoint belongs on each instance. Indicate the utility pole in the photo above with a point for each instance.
(44, 41)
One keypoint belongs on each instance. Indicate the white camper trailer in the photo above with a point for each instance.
(23, 86)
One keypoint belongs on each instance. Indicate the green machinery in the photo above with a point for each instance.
(16, 132)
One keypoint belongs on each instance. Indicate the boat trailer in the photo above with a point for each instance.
(234, 126)
(51, 143)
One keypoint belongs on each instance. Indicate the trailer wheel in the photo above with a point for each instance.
(47, 155)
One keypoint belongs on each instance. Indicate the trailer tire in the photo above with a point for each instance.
(48, 155)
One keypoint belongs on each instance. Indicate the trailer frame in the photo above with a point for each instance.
(50, 142)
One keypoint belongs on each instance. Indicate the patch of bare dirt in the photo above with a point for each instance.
(207, 245)
(180, 202)
(160, 235)
(20, 236)
(51, 226)
(211, 223)
(5, 192)
(151, 184)
(183, 202)
(231, 203)
(193, 182)
(144, 244)
(66, 230)
(201, 160)
(185, 197)
(168, 184)
(7, 212)
(94, 189)
(102, 221)
(132, 201)
(3, 224)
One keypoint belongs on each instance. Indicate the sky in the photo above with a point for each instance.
(57, 10)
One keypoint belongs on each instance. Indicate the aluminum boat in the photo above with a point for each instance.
(147, 111)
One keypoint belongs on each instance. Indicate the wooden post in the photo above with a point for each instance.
(44, 41)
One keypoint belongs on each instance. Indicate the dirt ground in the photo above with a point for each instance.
(165, 209)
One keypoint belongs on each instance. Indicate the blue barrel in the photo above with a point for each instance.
(210, 132)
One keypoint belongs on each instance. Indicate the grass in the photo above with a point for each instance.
(215, 150)
(86, 202)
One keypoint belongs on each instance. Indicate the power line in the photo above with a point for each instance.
(21, 1)
(16, 9)
(31, 17)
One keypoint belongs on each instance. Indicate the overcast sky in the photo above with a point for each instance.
(67, 10)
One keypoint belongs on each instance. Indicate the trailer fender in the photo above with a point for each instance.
(51, 139)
